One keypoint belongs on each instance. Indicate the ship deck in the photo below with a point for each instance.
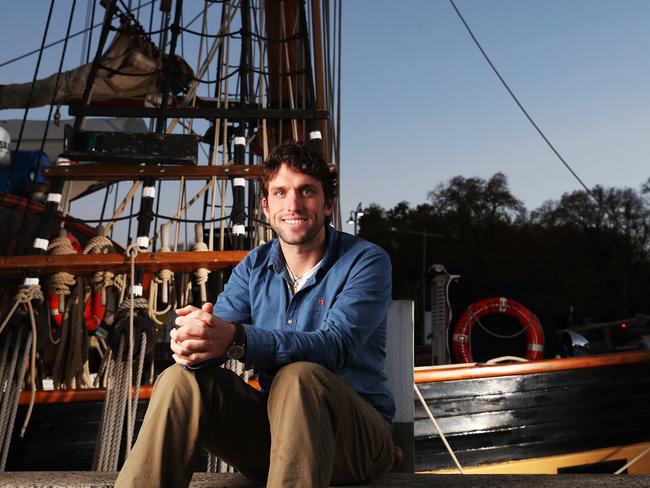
(86, 479)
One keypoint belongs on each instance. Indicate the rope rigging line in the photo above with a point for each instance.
(26, 294)
(56, 87)
(14, 397)
(31, 89)
(132, 251)
(121, 398)
(237, 70)
(211, 36)
(435, 424)
(86, 42)
(11, 383)
(521, 107)
(55, 43)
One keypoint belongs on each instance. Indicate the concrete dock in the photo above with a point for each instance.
(208, 480)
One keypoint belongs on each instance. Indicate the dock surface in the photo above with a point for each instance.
(86, 479)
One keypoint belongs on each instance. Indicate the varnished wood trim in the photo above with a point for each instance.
(432, 374)
(76, 396)
(113, 172)
(119, 263)
(89, 394)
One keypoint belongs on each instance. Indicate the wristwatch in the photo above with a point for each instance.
(238, 347)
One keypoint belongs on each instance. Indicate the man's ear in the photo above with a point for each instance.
(265, 206)
(329, 207)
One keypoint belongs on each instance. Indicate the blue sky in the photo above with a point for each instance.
(420, 104)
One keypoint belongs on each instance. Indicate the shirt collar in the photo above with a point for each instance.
(276, 260)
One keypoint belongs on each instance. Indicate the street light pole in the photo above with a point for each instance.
(355, 216)
(424, 263)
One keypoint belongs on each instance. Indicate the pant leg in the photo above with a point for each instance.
(322, 432)
(188, 409)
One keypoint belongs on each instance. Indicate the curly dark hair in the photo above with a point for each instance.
(300, 157)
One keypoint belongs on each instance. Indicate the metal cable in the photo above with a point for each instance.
(521, 107)
(56, 87)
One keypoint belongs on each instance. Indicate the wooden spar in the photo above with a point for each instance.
(95, 172)
(319, 72)
(90, 394)
(285, 85)
(119, 263)
(454, 372)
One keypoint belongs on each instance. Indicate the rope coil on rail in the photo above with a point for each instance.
(14, 382)
(61, 281)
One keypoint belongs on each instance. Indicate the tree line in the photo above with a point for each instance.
(582, 258)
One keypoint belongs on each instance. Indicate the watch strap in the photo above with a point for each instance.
(237, 349)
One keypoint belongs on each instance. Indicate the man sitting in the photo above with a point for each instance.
(307, 311)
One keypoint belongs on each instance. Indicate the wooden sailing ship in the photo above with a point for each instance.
(560, 410)
(262, 71)
(86, 303)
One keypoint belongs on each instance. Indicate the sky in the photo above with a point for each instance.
(421, 105)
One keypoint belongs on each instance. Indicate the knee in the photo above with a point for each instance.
(175, 381)
(174, 376)
(297, 380)
(302, 374)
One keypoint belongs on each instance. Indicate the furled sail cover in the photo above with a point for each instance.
(130, 68)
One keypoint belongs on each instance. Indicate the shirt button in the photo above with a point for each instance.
(289, 321)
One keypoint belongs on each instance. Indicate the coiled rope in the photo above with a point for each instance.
(101, 244)
(12, 384)
(118, 389)
(61, 281)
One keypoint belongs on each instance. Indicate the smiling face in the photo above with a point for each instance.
(296, 208)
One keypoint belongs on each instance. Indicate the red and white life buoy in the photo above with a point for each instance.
(462, 347)
(94, 311)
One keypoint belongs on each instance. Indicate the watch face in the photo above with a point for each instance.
(236, 351)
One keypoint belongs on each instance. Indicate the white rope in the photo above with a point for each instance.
(201, 274)
(131, 251)
(503, 359)
(107, 424)
(435, 424)
(25, 296)
(14, 398)
(61, 281)
(119, 407)
(152, 310)
(639, 456)
(101, 244)
(129, 196)
(6, 419)
(136, 392)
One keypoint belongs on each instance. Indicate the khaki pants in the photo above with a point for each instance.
(311, 430)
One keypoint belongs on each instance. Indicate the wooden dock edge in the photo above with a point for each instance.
(89, 479)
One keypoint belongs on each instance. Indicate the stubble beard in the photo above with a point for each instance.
(306, 238)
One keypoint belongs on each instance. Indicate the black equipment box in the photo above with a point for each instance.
(132, 148)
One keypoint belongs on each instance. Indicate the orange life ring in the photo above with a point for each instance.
(94, 311)
(462, 347)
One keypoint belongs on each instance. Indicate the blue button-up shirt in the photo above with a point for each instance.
(337, 319)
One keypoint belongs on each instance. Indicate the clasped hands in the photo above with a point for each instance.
(199, 336)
